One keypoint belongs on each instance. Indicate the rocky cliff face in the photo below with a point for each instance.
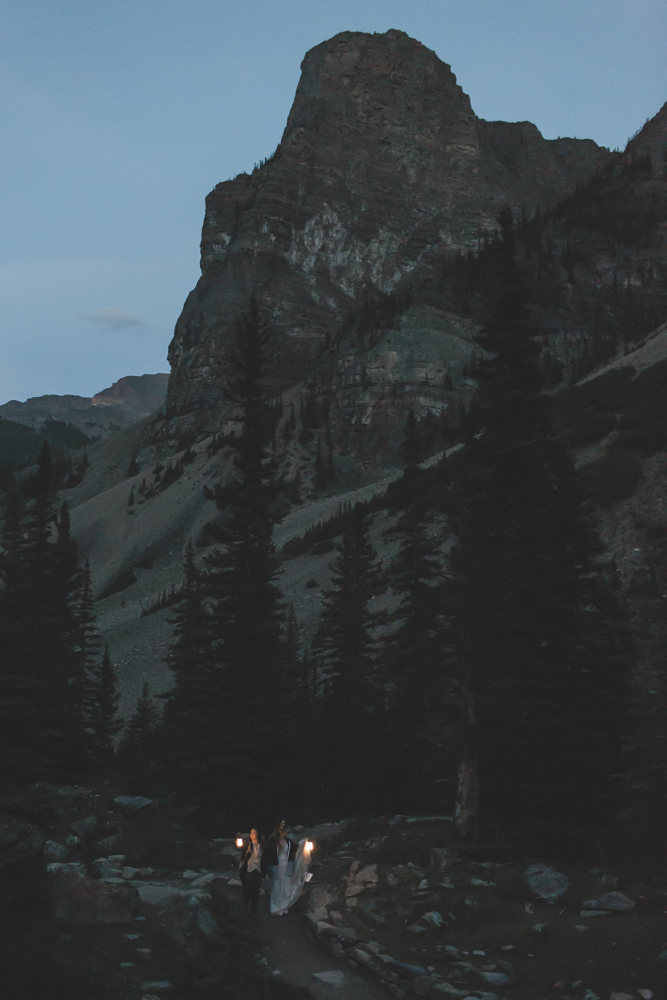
(382, 171)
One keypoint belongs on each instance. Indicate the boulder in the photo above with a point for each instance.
(547, 883)
(207, 926)
(318, 898)
(366, 960)
(135, 805)
(74, 792)
(103, 868)
(84, 827)
(433, 919)
(53, 851)
(421, 986)
(323, 929)
(333, 978)
(443, 860)
(66, 868)
(109, 843)
(203, 880)
(159, 896)
(190, 925)
(20, 837)
(607, 881)
(407, 971)
(442, 991)
(83, 900)
(610, 901)
(495, 978)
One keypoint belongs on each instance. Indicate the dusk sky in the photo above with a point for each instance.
(118, 116)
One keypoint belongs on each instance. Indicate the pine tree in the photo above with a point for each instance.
(16, 760)
(102, 720)
(300, 716)
(248, 658)
(41, 675)
(417, 672)
(189, 732)
(138, 746)
(345, 650)
(320, 480)
(542, 657)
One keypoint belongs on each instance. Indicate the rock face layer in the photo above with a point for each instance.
(383, 168)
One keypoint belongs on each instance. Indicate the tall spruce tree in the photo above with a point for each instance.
(542, 656)
(138, 748)
(190, 724)
(417, 672)
(248, 653)
(351, 699)
(102, 721)
(42, 691)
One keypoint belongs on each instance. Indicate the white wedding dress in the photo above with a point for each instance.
(288, 879)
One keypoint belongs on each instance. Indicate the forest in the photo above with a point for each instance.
(504, 688)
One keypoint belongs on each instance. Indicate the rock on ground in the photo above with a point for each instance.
(545, 882)
(83, 900)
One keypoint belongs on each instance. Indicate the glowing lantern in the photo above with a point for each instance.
(309, 845)
(239, 841)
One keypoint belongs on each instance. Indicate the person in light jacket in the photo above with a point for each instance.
(251, 872)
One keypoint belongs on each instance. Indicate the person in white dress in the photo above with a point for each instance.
(286, 863)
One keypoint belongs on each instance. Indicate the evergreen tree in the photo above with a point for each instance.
(417, 673)
(320, 480)
(102, 720)
(542, 657)
(137, 750)
(345, 650)
(645, 750)
(300, 717)
(190, 725)
(42, 688)
(248, 650)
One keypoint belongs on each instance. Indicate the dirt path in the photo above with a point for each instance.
(297, 958)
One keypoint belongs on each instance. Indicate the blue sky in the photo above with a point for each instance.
(118, 116)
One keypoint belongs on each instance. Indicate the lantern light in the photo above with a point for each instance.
(309, 845)
(239, 841)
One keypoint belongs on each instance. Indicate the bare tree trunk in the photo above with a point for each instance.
(467, 794)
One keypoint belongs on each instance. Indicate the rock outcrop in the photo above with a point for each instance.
(383, 170)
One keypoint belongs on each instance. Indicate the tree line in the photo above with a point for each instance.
(498, 685)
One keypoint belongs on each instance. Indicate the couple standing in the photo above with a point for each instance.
(285, 862)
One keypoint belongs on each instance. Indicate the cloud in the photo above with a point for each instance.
(112, 317)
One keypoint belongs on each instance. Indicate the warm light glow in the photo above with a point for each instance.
(309, 845)
(239, 841)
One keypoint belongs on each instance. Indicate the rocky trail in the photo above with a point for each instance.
(389, 910)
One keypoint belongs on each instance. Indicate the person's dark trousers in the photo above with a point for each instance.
(252, 883)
